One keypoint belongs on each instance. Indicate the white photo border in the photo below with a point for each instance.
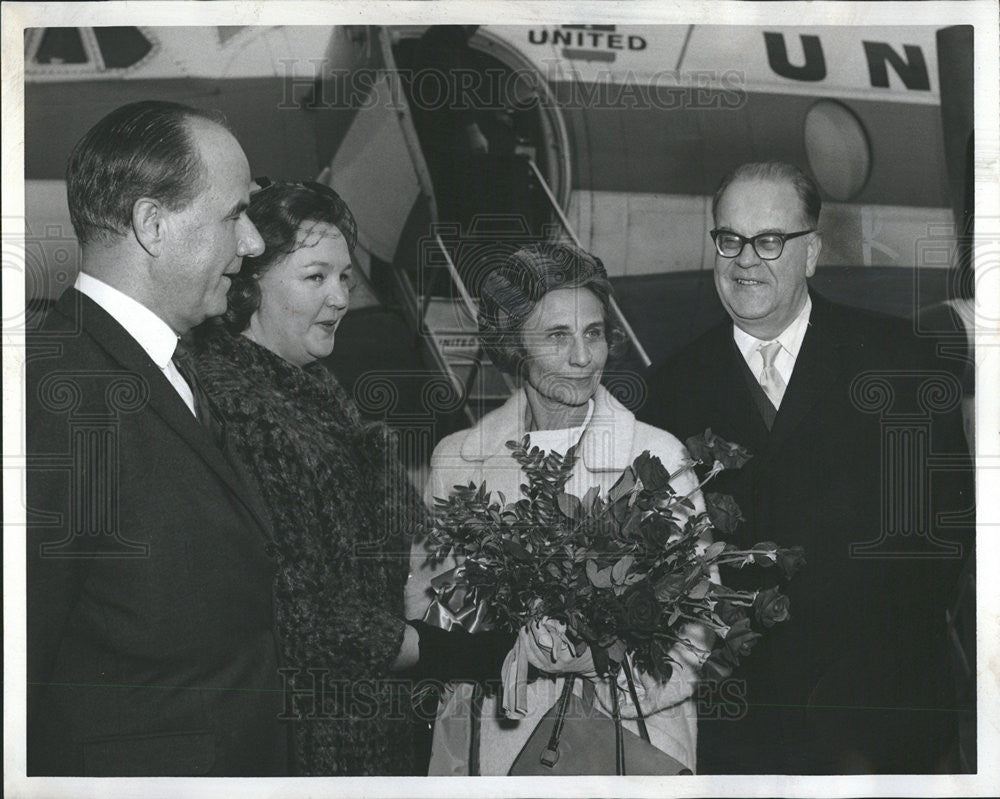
(980, 13)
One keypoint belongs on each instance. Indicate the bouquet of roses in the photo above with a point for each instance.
(624, 572)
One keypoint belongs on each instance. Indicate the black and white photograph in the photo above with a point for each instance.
(509, 399)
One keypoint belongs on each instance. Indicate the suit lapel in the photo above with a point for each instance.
(164, 400)
(250, 493)
(732, 396)
(817, 366)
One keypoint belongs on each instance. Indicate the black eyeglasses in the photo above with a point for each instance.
(346, 224)
(768, 246)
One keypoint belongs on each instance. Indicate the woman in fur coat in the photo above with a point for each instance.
(341, 506)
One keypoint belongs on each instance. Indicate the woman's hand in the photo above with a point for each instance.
(654, 695)
(549, 649)
(452, 654)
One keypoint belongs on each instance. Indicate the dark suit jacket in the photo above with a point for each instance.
(839, 686)
(151, 644)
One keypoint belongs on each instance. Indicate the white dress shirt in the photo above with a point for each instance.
(790, 340)
(152, 334)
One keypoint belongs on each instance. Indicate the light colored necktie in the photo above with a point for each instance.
(770, 378)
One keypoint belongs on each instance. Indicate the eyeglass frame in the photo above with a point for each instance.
(752, 241)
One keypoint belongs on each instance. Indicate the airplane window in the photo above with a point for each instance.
(122, 47)
(838, 149)
(61, 46)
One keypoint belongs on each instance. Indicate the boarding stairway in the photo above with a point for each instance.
(417, 274)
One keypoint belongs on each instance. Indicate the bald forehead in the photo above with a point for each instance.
(222, 158)
(199, 131)
(768, 196)
(206, 134)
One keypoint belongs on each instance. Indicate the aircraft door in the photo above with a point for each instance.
(483, 115)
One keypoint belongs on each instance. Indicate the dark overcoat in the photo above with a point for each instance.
(151, 641)
(857, 469)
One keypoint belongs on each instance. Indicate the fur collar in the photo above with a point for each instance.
(236, 370)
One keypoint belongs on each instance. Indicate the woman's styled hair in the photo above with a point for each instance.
(514, 287)
(280, 211)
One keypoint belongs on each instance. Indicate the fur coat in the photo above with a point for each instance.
(342, 509)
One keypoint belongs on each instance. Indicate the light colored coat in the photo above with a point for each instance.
(610, 443)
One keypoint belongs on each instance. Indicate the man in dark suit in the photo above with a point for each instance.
(151, 648)
(845, 413)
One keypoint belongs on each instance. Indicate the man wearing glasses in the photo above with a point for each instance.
(858, 680)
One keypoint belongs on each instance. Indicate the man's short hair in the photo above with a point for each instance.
(805, 187)
(142, 149)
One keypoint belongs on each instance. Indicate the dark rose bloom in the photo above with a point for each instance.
(655, 532)
(651, 471)
(699, 448)
(740, 639)
(723, 511)
(763, 560)
(728, 612)
(709, 448)
(607, 618)
(771, 607)
(642, 611)
(669, 587)
(791, 559)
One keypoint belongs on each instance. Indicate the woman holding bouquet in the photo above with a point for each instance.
(545, 319)
(330, 484)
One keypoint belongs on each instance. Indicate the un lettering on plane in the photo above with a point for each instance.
(910, 66)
